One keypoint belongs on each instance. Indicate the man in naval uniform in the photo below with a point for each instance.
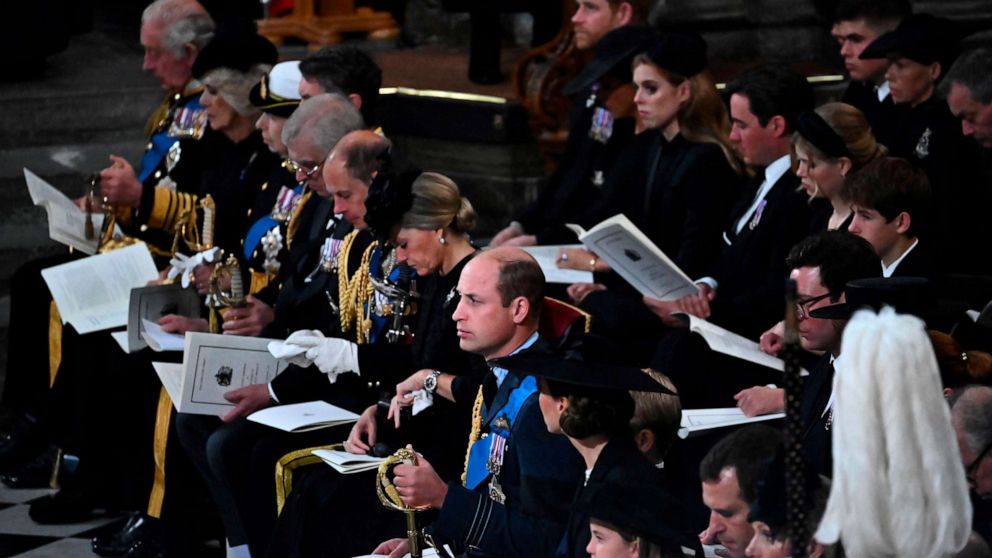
(519, 477)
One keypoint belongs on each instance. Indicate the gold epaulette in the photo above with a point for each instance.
(123, 216)
(355, 293)
(169, 205)
(159, 116)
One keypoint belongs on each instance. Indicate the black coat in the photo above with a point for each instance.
(679, 193)
(619, 462)
(751, 271)
(931, 138)
(816, 424)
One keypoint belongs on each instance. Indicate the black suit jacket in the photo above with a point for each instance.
(917, 263)
(816, 424)
(751, 271)
(678, 193)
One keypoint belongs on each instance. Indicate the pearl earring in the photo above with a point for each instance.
(442, 240)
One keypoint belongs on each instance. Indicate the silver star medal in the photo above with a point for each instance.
(923, 145)
(171, 160)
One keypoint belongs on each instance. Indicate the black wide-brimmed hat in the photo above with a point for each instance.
(278, 92)
(907, 295)
(920, 37)
(235, 45)
(644, 510)
(614, 51)
(583, 360)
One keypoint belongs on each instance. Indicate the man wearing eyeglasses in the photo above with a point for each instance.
(971, 416)
(821, 265)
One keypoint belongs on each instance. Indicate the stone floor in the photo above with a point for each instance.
(23, 538)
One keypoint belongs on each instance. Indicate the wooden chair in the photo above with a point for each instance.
(321, 23)
(538, 80)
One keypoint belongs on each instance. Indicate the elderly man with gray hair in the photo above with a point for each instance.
(968, 88)
(236, 457)
(971, 416)
(173, 32)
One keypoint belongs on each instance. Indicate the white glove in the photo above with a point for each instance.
(293, 354)
(422, 399)
(330, 355)
(183, 266)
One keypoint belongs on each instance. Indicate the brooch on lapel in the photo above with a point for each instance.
(757, 215)
(923, 145)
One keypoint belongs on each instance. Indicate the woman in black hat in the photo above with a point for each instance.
(829, 144)
(634, 521)
(676, 182)
(920, 51)
(589, 402)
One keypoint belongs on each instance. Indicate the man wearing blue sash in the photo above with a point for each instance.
(518, 477)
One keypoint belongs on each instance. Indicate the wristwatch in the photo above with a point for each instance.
(430, 382)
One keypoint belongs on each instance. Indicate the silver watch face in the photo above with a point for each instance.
(430, 382)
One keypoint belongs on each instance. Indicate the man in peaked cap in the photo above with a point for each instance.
(920, 51)
(856, 24)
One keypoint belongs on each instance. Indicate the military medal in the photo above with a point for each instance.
(494, 464)
(271, 245)
(329, 254)
(592, 96)
(757, 215)
(496, 492)
(171, 160)
(450, 296)
(922, 150)
(602, 125)
(285, 203)
(188, 123)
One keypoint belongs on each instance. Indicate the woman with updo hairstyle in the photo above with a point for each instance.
(431, 221)
(586, 396)
(829, 144)
(433, 234)
(959, 367)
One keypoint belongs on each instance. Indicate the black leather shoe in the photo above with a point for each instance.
(64, 506)
(36, 473)
(138, 527)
